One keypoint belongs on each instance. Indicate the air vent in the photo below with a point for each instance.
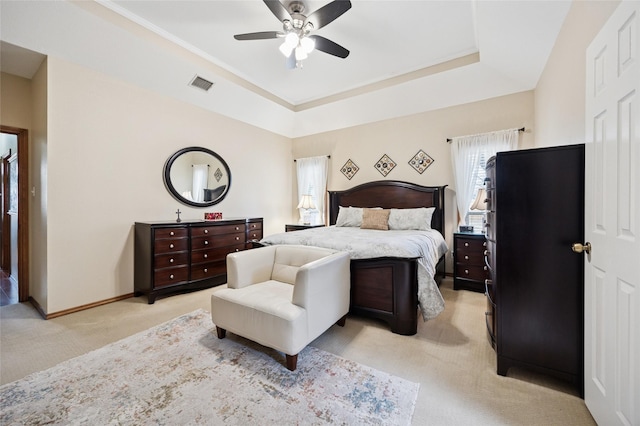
(201, 83)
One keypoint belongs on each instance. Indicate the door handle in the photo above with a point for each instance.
(579, 248)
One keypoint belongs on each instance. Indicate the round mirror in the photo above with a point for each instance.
(197, 177)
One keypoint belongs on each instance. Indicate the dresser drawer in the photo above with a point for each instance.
(208, 270)
(254, 234)
(253, 226)
(171, 260)
(169, 276)
(472, 272)
(470, 257)
(170, 245)
(208, 255)
(217, 241)
(471, 244)
(204, 231)
(171, 233)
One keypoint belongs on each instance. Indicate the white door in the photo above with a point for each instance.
(612, 221)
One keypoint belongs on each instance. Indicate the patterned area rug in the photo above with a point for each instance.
(179, 372)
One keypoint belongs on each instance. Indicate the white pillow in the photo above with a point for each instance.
(349, 216)
(419, 218)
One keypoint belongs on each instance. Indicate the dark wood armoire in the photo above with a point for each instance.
(536, 291)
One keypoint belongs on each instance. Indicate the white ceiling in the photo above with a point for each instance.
(406, 56)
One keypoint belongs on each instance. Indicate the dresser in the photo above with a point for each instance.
(535, 293)
(470, 271)
(171, 257)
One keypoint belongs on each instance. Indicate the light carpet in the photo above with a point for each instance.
(179, 372)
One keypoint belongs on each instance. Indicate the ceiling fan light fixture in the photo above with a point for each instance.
(286, 49)
(292, 39)
(301, 54)
(308, 44)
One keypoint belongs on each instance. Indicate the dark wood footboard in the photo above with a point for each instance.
(387, 289)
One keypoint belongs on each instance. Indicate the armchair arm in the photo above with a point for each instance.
(250, 266)
(323, 288)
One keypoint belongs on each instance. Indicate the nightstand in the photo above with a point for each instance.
(470, 270)
(299, 227)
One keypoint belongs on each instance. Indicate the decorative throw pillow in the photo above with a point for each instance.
(375, 219)
(349, 216)
(419, 218)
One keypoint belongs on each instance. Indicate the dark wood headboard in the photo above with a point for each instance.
(390, 194)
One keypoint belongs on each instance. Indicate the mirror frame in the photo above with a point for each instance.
(172, 190)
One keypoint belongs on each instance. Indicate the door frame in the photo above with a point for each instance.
(23, 209)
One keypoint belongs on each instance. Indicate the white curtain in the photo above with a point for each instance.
(312, 179)
(466, 153)
(200, 179)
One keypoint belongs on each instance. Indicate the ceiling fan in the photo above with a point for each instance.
(297, 28)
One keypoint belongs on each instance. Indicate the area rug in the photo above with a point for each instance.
(179, 372)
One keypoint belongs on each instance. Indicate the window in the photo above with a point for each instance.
(469, 155)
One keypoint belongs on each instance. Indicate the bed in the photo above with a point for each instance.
(386, 286)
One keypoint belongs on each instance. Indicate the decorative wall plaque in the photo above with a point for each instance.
(421, 161)
(349, 169)
(385, 165)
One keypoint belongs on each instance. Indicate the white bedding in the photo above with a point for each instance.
(427, 245)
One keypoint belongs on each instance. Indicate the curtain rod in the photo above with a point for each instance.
(449, 140)
(295, 159)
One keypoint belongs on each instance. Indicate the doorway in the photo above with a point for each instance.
(14, 235)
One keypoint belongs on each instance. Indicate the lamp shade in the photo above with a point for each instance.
(306, 202)
(480, 203)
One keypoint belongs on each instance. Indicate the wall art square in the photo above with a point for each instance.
(421, 161)
(385, 164)
(349, 169)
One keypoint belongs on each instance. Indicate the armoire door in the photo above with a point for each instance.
(540, 213)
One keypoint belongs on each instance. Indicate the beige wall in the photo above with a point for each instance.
(15, 104)
(106, 144)
(560, 93)
(38, 179)
(401, 139)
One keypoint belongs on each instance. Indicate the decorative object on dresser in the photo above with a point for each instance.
(536, 290)
(470, 270)
(383, 285)
(297, 227)
(172, 257)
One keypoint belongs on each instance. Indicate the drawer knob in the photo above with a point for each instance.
(237, 238)
(466, 271)
(486, 253)
(484, 244)
(466, 257)
(172, 233)
(206, 231)
(206, 270)
(237, 249)
(485, 268)
(171, 276)
(206, 243)
(170, 245)
(466, 244)
(206, 255)
(171, 260)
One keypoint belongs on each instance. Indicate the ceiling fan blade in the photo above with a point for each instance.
(277, 9)
(264, 35)
(327, 46)
(328, 13)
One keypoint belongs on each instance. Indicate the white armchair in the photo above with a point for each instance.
(283, 296)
